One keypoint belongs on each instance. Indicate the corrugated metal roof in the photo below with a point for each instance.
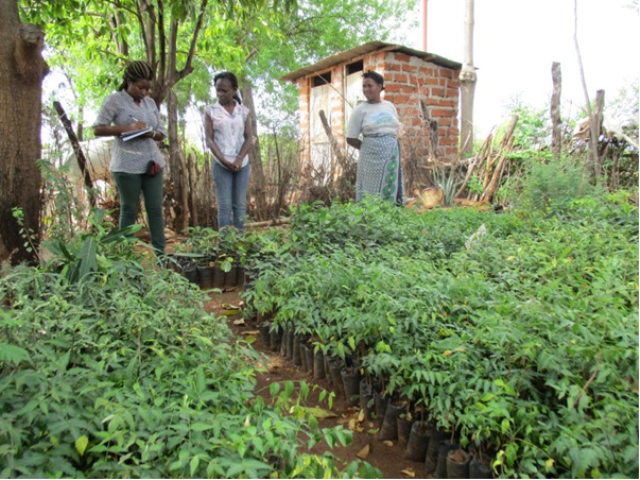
(368, 48)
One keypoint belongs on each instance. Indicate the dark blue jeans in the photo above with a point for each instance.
(231, 189)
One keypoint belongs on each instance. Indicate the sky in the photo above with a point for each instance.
(516, 41)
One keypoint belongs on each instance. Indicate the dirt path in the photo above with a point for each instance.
(388, 456)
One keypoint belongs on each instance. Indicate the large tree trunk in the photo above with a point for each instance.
(556, 122)
(21, 71)
(257, 188)
(467, 83)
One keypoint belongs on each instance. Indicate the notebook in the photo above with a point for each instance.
(126, 136)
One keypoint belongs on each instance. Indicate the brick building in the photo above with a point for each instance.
(334, 85)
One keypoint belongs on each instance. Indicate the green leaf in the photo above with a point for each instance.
(13, 353)
(318, 412)
(88, 257)
(81, 444)
(201, 427)
(193, 465)
(274, 389)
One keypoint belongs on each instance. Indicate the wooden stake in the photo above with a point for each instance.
(556, 138)
(82, 160)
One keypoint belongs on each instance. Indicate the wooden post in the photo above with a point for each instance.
(556, 138)
(467, 83)
(501, 157)
(593, 135)
(257, 186)
(82, 160)
(597, 128)
(335, 147)
(477, 162)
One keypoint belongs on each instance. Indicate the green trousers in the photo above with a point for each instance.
(129, 187)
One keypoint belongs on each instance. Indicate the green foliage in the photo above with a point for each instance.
(552, 187)
(533, 131)
(124, 375)
(524, 344)
(449, 182)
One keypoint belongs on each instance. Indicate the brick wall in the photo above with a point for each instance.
(304, 97)
(408, 79)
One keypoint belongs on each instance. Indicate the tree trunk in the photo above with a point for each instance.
(556, 122)
(468, 84)
(177, 167)
(257, 188)
(21, 71)
(193, 183)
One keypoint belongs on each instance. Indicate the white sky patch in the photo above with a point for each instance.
(516, 41)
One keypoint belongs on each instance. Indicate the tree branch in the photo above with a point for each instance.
(188, 68)
(163, 43)
(173, 53)
(142, 29)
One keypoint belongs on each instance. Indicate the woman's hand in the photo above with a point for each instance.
(136, 126)
(228, 164)
(237, 164)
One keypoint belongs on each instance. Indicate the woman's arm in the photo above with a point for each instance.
(208, 130)
(116, 130)
(246, 145)
(354, 142)
(354, 128)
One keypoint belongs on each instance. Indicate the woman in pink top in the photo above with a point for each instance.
(228, 133)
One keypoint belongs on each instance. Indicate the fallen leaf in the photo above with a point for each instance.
(318, 412)
(361, 416)
(373, 431)
(359, 429)
(240, 321)
(364, 453)
(250, 339)
(251, 332)
(388, 443)
(409, 472)
(352, 424)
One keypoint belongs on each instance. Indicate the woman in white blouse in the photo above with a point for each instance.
(379, 170)
(228, 134)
